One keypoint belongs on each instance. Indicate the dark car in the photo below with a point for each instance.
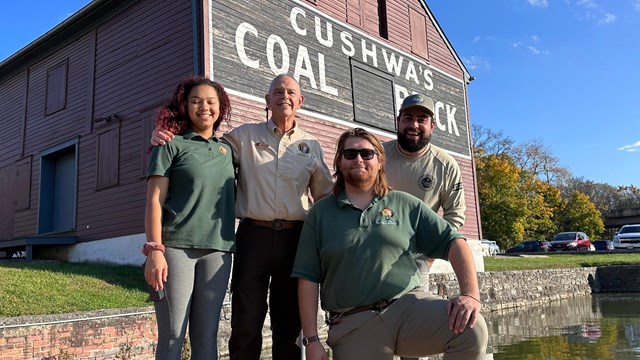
(604, 245)
(571, 240)
(530, 246)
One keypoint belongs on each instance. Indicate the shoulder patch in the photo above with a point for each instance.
(457, 186)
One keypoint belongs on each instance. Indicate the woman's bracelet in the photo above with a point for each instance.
(473, 297)
(148, 247)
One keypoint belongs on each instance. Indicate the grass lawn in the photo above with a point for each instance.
(49, 287)
(558, 261)
(36, 288)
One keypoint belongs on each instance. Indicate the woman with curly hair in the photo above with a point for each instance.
(189, 220)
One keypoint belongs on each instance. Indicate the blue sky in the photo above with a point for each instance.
(561, 71)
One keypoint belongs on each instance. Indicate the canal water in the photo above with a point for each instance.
(598, 327)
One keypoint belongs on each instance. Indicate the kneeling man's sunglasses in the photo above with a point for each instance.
(365, 154)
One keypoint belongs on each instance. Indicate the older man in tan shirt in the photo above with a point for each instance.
(279, 164)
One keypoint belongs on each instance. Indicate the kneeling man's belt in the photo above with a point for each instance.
(336, 317)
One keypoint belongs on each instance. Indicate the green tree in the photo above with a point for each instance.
(580, 214)
(502, 205)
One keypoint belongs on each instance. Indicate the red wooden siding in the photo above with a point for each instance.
(139, 61)
(119, 69)
(12, 102)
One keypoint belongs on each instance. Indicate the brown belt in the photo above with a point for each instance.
(275, 224)
(377, 306)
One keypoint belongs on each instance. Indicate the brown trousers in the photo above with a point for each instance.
(414, 326)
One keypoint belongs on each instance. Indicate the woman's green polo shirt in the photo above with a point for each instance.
(199, 211)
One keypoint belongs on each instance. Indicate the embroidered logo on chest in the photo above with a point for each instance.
(304, 148)
(427, 182)
(387, 217)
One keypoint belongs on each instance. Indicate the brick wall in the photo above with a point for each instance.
(114, 334)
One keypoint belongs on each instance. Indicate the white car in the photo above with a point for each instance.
(628, 237)
(489, 247)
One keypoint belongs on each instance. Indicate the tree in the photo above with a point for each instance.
(487, 142)
(502, 205)
(537, 159)
(580, 214)
(543, 205)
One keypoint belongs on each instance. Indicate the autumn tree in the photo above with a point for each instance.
(543, 205)
(502, 205)
(580, 214)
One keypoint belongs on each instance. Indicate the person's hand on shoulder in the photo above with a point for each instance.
(160, 136)
(463, 311)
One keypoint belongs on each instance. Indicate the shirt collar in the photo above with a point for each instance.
(189, 134)
(274, 129)
(343, 201)
(402, 153)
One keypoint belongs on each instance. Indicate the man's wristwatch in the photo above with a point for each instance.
(308, 340)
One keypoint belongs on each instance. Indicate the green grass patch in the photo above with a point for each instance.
(49, 287)
(558, 261)
(36, 288)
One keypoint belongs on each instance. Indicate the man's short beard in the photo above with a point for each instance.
(413, 146)
(360, 182)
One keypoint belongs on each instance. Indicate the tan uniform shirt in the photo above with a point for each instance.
(433, 177)
(276, 171)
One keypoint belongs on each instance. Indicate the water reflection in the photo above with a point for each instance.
(600, 327)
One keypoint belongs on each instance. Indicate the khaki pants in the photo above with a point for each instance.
(416, 325)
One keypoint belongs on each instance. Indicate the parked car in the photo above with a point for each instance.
(628, 237)
(489, 247)
(571, 240)
(604, 245)
(530, 246)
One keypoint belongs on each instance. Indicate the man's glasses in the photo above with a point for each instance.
(365, 154)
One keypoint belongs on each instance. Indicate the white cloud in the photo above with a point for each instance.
(530, 44)
(538, 3)
(476, 62)
(636, 4)
(589, 4)
(607, 18)
(631, 148)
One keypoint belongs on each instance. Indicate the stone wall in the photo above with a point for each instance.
(513, 289)
(131, 333)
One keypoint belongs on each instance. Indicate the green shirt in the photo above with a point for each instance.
(363, 256)
(199, 211)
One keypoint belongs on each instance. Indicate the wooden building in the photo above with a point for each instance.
(78, 102)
